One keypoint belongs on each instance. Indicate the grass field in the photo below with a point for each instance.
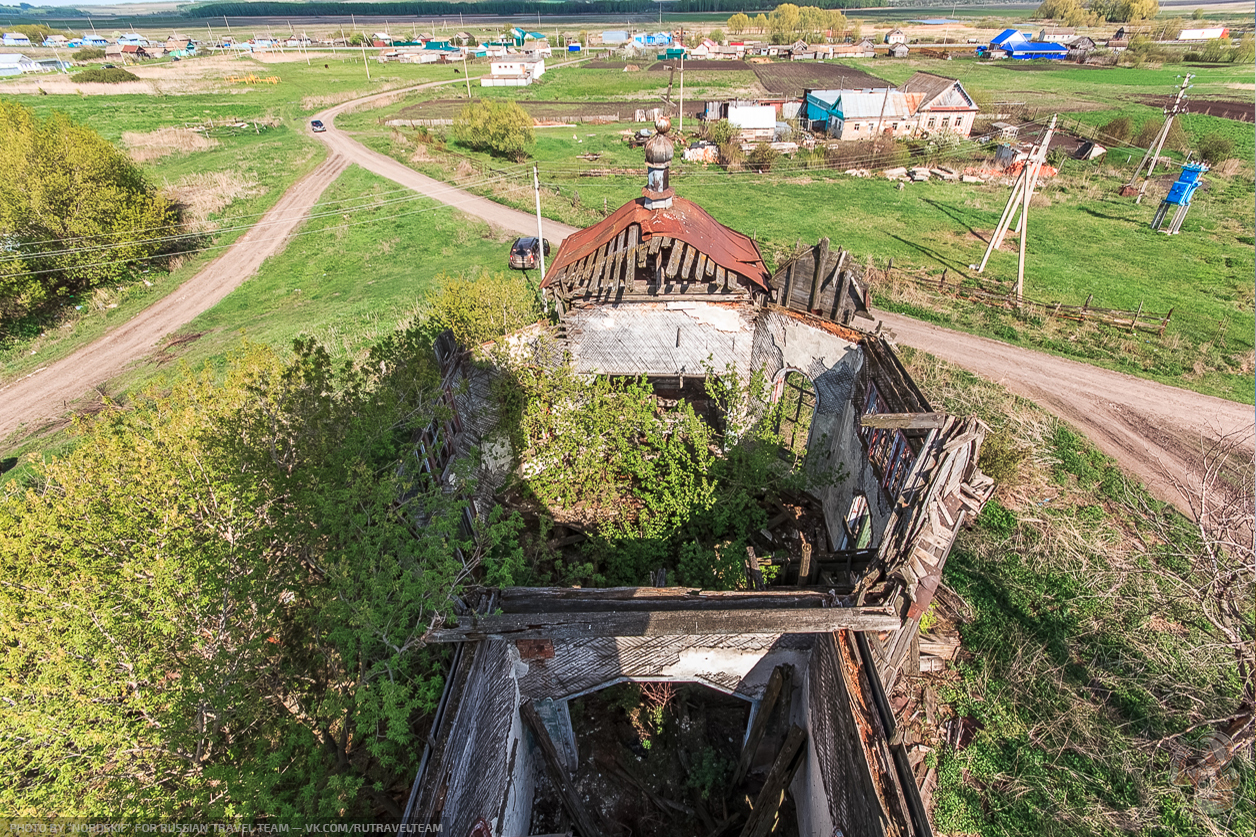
(1082, 242)
(346, 278)
(1081, 672)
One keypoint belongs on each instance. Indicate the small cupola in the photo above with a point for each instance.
(659, 151)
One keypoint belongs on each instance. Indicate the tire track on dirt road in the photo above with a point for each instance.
(1155, 431)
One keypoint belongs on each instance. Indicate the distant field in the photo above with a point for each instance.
(1084, 239)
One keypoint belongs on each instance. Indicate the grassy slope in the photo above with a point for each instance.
(344, 285)
(271, 161)
(1076, 665)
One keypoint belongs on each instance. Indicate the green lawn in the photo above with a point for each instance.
(348, 277)
(1083, 241)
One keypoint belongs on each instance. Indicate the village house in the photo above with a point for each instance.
(658, 291)
(943, 104)
(513, 71)
(896, 36)
(15, 64)
(56, 41)
(1080, 47)
(866, 114)
(16, 39)
(862, 49)
(754, 123)
(898, 51)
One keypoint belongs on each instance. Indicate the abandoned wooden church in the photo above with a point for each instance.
(795, 673)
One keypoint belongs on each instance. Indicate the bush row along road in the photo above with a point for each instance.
(1154, 431)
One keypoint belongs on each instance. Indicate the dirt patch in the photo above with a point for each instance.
(1225, 108)
(144, 148)
(205, 193)
(793, 78)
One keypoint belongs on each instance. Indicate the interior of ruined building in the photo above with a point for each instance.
(667, 710)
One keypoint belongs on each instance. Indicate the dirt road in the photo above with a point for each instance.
(1154, 431)
(1151, 429)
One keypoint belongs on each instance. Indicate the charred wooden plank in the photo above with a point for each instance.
(763, 816)
(690, 254)
(822, 255)
(666, 623)
(780, 682)
(673, 263)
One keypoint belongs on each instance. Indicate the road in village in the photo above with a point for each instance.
(1153, 430)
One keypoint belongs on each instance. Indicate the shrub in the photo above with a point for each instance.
(112, 75)
(503, 129)
(1118, 129)
(89, 54)
(1215, 147)
(1001, 459)
(721, 132)
(762, 157)
(483, 306)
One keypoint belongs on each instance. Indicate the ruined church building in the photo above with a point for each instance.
(659, 289)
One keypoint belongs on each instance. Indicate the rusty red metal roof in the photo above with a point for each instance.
(684, 221)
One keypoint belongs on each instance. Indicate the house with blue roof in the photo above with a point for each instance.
(1020, 46)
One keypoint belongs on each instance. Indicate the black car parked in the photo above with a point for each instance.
(525, 253)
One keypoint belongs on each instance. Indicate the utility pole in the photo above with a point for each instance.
(365, 63)
(680, 120)
(1022, 192)
(465, 73)
(536, 186)
(1153, 151)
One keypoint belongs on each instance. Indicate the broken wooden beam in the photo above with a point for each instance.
(763, 817)
(780, 682)
(576, 626)
(581, 817)
(904, 421)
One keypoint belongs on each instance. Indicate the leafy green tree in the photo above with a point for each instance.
(784, 20)
(88, 54)
(503, 129)
(215, 604)
(1244, 51)
(761, 23)
(483, 306)
(738, 23)
(75, 212)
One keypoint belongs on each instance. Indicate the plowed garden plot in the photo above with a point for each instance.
(1226, 109)
(793, 78)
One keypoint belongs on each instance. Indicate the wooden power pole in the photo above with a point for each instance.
(1153, 151)
(1022, 193)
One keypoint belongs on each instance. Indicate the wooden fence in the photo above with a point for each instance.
(1140, 319)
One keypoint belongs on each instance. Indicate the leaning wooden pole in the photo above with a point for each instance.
(1031, 181)
(997, 235)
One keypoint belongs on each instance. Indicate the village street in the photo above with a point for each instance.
(1153, 430)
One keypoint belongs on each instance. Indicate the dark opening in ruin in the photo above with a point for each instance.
(658, 758)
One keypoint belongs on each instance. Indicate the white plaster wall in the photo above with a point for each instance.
(660, 338)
